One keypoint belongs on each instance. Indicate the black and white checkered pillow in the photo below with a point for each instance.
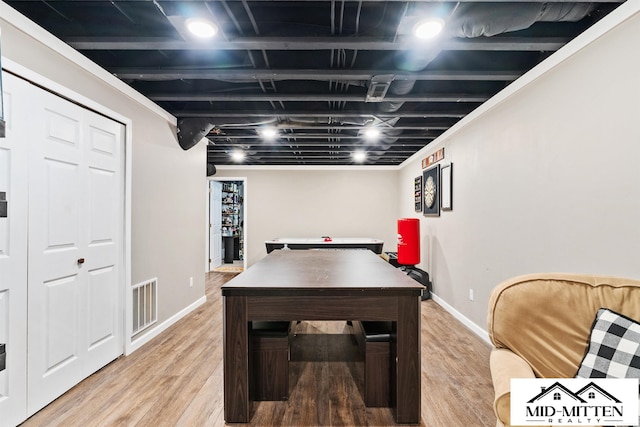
(614, 348)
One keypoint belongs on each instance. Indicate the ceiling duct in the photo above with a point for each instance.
(398, 88)
(192, 130)
(378, 87)
(471, 20)
(475, 20)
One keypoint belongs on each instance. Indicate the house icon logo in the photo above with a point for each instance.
(574, 401)
(587, 394)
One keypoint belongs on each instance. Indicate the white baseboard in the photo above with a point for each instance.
(484, 335)
(148, 336)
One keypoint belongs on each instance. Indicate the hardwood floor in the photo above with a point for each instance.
(176, 379)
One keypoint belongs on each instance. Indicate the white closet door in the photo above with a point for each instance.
(104, 188)
(75, 246)
(13, 252)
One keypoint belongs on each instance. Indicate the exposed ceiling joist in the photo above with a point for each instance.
(319, 43)
(344, 128)
(319, 1)
(308, 136)
(330, 115)
(313, 97)
(155, 74)
(319, 71)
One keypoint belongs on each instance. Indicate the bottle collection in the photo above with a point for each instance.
(231, 206)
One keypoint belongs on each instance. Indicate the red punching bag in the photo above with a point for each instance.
(408, 241)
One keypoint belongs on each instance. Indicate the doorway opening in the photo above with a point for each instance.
(227, 225)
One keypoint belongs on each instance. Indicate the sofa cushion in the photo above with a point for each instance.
(614, 347)
(546, 319)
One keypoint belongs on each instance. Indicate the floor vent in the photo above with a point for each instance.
(145, 305)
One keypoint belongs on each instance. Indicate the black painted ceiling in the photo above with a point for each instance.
(320, 72)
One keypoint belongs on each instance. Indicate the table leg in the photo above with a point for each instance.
(237, 404)
(406, 396)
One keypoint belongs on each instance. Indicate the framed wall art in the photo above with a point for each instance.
(446, 188)
(418, 193)
(431, 191)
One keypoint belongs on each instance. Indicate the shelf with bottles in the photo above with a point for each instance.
(231, 194)
(230, 187)
(232, 213)
(233, 224)
(229, 231)
(229, 199)
(230, 209)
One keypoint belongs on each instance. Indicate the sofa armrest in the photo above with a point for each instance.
(506, 365)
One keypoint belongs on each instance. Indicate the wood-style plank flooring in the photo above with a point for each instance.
(176, 379)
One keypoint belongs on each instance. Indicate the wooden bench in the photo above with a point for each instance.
(269, 360)
(374, 341)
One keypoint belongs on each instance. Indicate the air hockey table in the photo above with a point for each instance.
(325, 242)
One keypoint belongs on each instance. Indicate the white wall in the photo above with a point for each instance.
(168, 184)
(545, 177)
(317, 202)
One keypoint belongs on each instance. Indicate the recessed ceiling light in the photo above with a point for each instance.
(268, 132)
(428, 28)
(372, 133)
(359, 156)
(202, 28)
(237, 156)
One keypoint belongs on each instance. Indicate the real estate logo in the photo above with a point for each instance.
(574, 401)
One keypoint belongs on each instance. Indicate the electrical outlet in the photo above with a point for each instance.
(470, 294)
(191, 282)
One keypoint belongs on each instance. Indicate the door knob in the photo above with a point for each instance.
(80, 260)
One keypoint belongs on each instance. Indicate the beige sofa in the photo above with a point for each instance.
(540, 326)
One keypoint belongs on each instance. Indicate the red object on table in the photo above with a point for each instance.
(408, 241)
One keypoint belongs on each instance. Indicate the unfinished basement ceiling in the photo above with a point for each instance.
(321, 73)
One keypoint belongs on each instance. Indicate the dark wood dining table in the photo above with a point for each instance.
(322, 285)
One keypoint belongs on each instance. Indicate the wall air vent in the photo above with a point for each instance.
(145, 305)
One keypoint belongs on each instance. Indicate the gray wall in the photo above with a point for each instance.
(314, 203)
(168, 208)
(545, 179)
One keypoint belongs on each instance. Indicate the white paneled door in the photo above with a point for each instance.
(13, 252)
(75, 303)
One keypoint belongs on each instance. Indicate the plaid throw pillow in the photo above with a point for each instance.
(614, 348)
